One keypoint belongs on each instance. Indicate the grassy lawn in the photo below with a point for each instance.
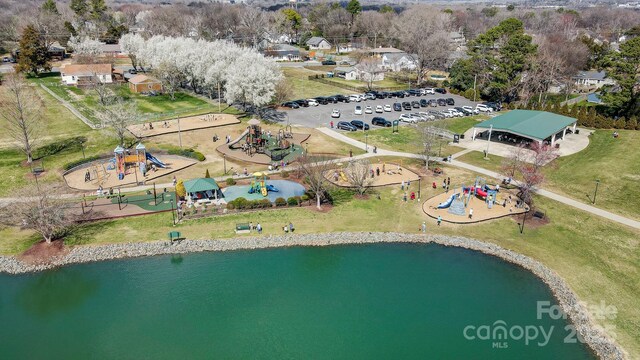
(599, 259)
(305, 88)
(558, 98)
(363, 86)
(607, 159)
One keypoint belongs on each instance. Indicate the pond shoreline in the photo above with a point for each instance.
(592, 335)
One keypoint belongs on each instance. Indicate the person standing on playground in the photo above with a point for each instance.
(439, 220)
(470, 213)
(350, 153)
(424, 226)
(402, 186)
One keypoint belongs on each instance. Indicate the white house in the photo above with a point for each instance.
(346, 72)
(397, 61)
(84, 74)
(367, 75)
(316, 43)
(592, 79)
(283, 52)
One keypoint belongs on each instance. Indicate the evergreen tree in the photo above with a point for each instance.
(207, 175)
(354, 8)
(33, 55)
(386, 9)
(632, 123)
(98, 9)
(79, 7)
(624, 66)
(50, 7)
(621, 123)
(70, 28)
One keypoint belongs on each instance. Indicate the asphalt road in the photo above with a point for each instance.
(318, 116)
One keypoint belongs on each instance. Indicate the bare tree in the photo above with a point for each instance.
(428, 141)
(253, 22)
(21, 111)
(284, 91)
(314, 170)
(358, 172)
(526, 167)
(374, 24)
(40, 210)
(118, 117)
(170, 76)
(369, 67)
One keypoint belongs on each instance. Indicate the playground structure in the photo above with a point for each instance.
(459, 203)
(259, 185)
(256, 141)
(140, 160)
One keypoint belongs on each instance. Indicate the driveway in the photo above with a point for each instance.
(319, 116)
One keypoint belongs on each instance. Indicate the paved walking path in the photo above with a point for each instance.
(546, 193)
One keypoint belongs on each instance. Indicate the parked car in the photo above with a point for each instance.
(387, 108)
(433, 102)
(408, 118)
(414, 92)
(427, 115)
(370, 95)
(328, 62)
(321, 100)
(291, 105)
(358, 110)
(133, 71)
(382, 95)
(5, 59)
(455, 112)
(380, 122)
(471, 110)
(419, 117)
(493, 105)
(312, 102)
(415, 104)
(343, 125)
(483, 108)
(448, 114)
(436, 114)
(360, 124)
(368, 110)
(399, 94)
(379, 109)
(363, 97)
(397, 107)
(424, 102)
(406, 105)
(429, 91)
(442, 102)
(354, 98)
(342, 98)
(450, 101)
(302, 102)
(335, 113)
(440, 90)
(332, 99)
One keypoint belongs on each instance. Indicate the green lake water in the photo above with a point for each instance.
(381, 301)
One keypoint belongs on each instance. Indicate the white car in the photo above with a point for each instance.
(483, 108)
(388, 108)
(335, 113)
(447, 113)
(363, 97)
(429, 91)
(408, 118)
(312, 102)
(368, 110)
(455, 112)
(355, 98)
(427, 116)
(469, 108)
(418, 116)
(358, 110)
(379, 109)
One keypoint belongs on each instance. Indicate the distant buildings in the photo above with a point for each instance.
(592, 79)
(86, 74)
(282, 52)
(318, 43)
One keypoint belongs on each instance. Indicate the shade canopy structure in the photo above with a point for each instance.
(531, 124)
(253, 121)
(200, 185)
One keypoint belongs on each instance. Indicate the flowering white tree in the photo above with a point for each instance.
(252, 79)
(132, 44)
(85, 46)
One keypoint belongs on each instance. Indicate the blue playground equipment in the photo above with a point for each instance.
(154, 160)
(260, 186)
(272, 188)
(446, 204)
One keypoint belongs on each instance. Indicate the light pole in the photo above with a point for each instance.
(173, 216)
(366, 144)
(179, 134)
(486, 154)
(419, 187)
(595, 193)
(524, 217)
(224, 161)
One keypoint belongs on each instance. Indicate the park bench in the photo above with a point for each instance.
(175, 235)
(243, 228)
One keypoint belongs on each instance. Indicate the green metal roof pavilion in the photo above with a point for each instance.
(536, 125)
(200, 185)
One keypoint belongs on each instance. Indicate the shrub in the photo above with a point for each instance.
(230, 181)
(240, 203)
(304, 197)
(292, 201)
(60, 145)
(190, 153)
(284, 174)
(264, 203)
(281, 201)
(231, 205)
(72, 164)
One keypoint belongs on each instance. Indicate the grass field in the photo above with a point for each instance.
(387, 83)
(615, 162)
(305, 88)
(599, 259)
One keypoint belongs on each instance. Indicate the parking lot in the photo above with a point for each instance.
(318, 116)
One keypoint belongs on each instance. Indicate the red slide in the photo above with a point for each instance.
(481, 192)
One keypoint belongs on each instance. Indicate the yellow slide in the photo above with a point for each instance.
(343, 176)
(263, 189)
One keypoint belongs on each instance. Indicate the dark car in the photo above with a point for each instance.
(463, 110)
(332, 99)
(302, 102)
(440, 90)
(414, 92)
(291, 105)
(342, 98)
(360, 124)
(397, 107)
(322, 100)
(450, 101)
(380, 122)
(494, 105)
(406, 105)
(433, 102)
(415, 104)
(343, 125)
(328, 62)
(424, 102)
(442, 102)
(382, 95)
(399, 94)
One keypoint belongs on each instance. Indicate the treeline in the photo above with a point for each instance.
(587, 116)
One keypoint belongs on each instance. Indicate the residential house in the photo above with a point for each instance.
(397, 61)
(379, 51)
(457, 38)
(85, 74)
(592, 79)
(346, 72)
(318, 43)
(112, 50)
(56, 51)
(143, 83)
(368, 75)
(283, 52)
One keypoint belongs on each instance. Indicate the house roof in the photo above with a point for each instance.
(141, 78)
(87, 69)
(594, 75)
(282, 49)
(532, 124)
(345, 69)
(316, 40)
(385, 50)
(394, 57)
(111, 48)
(200, 184)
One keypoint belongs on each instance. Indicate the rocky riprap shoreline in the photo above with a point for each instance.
(592, 335)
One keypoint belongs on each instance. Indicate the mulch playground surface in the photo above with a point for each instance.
(188, 123)
(263, 159)
(390, 174)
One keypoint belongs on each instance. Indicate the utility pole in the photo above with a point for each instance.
(524, 217)
(595, 193)
(475, 79)
(486, 154)
(179, 134)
